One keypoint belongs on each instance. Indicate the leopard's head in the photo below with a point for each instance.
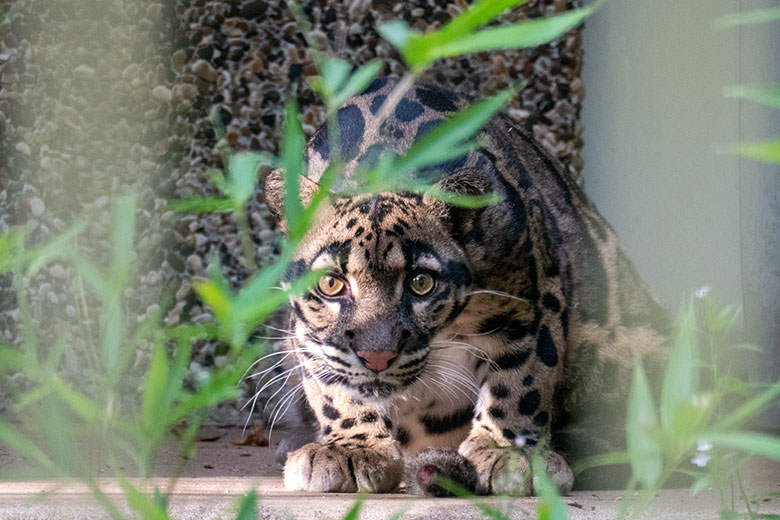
(394, 277)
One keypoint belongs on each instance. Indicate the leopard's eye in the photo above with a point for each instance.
(421, 283)
(331, 286)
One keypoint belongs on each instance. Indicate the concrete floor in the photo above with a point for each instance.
(213, 481)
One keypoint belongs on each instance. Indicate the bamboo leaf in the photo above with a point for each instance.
(247, 507)
(748, 17)
(122, 235)
(767, 151)
(153, 405)
(459, 491)
(399, 34)
(643, 450)
(751, 408)
(292, 162)
(11, 249)
(141, 503)
(212, 294)
(77, 401)
(701, 483)
(20, 444)
(354, 511)
(769, 96)
(420, 50)
(451, 133)
(550, 507)
(334, 73)
(60, 247)
(215, 205)
(11, 360)
(356, 82)
(682, 373)
(752, 443)
(602, 459)
(476, 15)
(242, 178)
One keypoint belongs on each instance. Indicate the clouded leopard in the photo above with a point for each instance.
(452, 341)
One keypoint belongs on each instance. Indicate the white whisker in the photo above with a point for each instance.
(498, 293)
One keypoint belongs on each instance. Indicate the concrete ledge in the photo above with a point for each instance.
(216, 478)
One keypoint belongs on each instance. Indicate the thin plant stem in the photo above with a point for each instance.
(744, 495)
(247, 244)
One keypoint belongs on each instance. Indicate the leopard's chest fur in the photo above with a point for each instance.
(534, 313)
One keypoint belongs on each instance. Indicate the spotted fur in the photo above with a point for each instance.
(534, 320)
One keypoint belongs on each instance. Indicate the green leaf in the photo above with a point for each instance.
(92, 275)
(252, 311)
(11, 360)
(60, 247)
(550, 507)
(752, 443)
(398, 33)
(216, 205)
(334, 73)
(141, 503)
(513, 36)
(450, 134)
(419, 50)
(122, 235)
(77, 401)
(464, 201)
(354, 511)
(748, 17)
(11, 249)
(356, 83)
(293, 144)
(750, 409)
(767, 151)
(701, 483)
(155, 386)
(242, 178)
(214, 296)
(641, 422)
(461, 492)
(247, 507)
(682, 373)
(477, 14)
(602, 459)
(20, 444)
(749, 348)
(218, 178)
(769, 96)
(732, 385)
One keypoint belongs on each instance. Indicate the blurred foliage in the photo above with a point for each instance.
(55, 416)
(767, 151)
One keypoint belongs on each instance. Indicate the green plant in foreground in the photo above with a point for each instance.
(691, 423)
(767, 151)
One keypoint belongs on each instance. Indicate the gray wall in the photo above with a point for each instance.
(654, 118)
(653, 114)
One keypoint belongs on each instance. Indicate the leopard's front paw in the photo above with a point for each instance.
(507, 471)
(331, 467)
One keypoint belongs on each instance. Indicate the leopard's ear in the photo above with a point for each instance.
(273, 193)
(465, 181)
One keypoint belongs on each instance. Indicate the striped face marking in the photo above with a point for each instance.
(393, 278)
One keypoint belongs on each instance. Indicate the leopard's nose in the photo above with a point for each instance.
(376, 360)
